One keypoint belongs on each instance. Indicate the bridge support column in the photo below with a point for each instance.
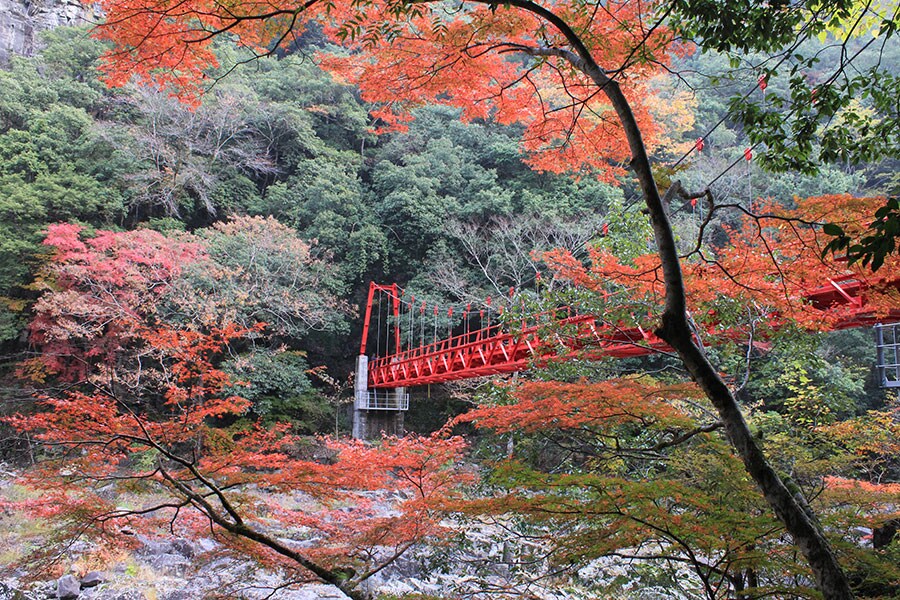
(360, 393)
(376, 411)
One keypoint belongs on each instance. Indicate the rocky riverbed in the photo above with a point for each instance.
(182, 569)
(164, 569)
(482, 563)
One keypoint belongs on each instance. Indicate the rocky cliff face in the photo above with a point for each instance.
(22, 20)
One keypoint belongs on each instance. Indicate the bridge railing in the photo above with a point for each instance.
(474, 337)
(376, 399)
(887, 347)
(495, 349)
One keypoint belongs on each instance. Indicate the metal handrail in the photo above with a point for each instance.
(381, 400)
(887, 348)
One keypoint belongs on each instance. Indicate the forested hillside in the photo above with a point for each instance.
(428, 208)
(180, 307)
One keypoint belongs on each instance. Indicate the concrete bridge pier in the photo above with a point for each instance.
(376, 411)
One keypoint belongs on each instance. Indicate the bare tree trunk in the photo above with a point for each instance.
(675, 328)
(676, 331)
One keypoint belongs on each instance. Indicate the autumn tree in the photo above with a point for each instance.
(747, 294)
(575, 75)
(635, 468)
(135, 399)
(256, 270)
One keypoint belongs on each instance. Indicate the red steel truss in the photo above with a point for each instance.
(494, 350)
(491, 351)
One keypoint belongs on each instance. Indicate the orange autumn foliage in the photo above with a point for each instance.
(767, 267)
(485, 59)
(148, 409)
(543, 405)
(630, 464)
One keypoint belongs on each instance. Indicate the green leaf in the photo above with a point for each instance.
(832, 229)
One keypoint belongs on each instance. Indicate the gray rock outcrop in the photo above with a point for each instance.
(22, 20)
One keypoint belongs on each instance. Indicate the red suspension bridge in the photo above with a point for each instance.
(410, 352)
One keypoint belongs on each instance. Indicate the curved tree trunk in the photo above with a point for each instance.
(675, 327)
(675, 330)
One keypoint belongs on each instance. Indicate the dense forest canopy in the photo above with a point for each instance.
(180, 286)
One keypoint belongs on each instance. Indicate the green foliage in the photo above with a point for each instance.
(821, 127)
(629, 231)
(11, 320)
(258, 271)
(724, 25)
(746, 27)
(280, 389)
(320, 113)
(804, 378)
(877, 242)
(323, 200)
(26, 207)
